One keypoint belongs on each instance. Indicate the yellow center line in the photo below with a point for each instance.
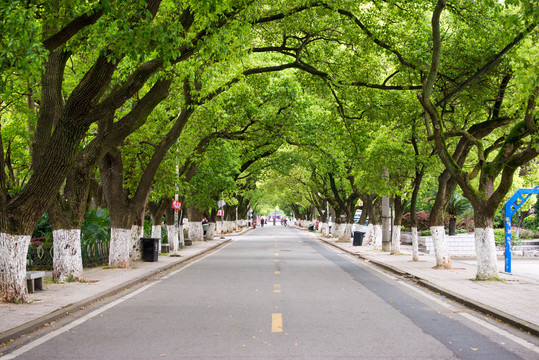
(276, 322)
(276, 254)
(277, 288)
(277, 272)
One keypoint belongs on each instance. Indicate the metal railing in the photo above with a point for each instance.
(40, 257)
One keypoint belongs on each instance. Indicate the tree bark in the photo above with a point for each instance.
(172, 228)
(386, 225)
(400, 203)
(485, 245)
(13, 251)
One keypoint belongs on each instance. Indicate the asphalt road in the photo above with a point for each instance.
(275, 293)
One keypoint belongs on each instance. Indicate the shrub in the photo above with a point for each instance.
(96, 227)
(422, 220)
(43, 228)
(527, 234)
(466, 223)
(499, 237)
(530, 223)
(425, 233)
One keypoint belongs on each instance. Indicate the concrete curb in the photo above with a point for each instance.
(521, 324)
(66, 310)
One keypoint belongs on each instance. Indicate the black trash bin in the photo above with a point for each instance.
(150, 249)
(358, 238)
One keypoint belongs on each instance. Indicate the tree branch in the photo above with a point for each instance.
(72, 29)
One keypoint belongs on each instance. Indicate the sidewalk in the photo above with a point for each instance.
(514, 300)
(58, 299)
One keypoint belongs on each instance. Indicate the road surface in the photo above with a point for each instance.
(276, 293)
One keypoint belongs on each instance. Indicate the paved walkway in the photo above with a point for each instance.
(514, 300)
(58, 299)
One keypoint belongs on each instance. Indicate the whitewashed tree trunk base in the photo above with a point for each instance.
(368, 238)
(67, 258)
(337, 231)
(396, 240)
(324, 229)
(172, 236)
(120, 240)
(485, 248)
(377, 236)
(218, 228)
(135, 252)
(344, 233)
(181, 238)
(157, 234)
(196, 233)
(210, 233)
(13, 252)
(229, 225)
(415, 245)
(441, 252)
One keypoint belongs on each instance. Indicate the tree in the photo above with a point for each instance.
(497, 160)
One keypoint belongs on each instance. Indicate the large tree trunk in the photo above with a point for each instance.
(415, 244)
(452, 225)
(342, 231)
(13, 252)
(210, 233)
(323, 228)
(377, 235)
(441, 252)
(121, 219)
(66, 215)
(67, 259)
(446, 188)
(135, 249)
(485, 245)
(386, 225)
(120, 240)
(396, 240)
(397, 222)
(196, 233)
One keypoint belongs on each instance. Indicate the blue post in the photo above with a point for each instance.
(516, 201)
(508, 237)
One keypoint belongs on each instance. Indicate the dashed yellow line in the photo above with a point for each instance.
(277, 288)
(277, 272)
(276, 254)
(276, 322)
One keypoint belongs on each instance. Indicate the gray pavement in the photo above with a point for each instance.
(275, 293)
(514, 300)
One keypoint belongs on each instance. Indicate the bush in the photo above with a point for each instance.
(465, 223)
(527, 234)
(499, 237)
(530, 223)
(96, 227)
(43, 228)
(422, 220)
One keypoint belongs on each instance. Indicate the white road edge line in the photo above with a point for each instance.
(55, 333)
(528, 345)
